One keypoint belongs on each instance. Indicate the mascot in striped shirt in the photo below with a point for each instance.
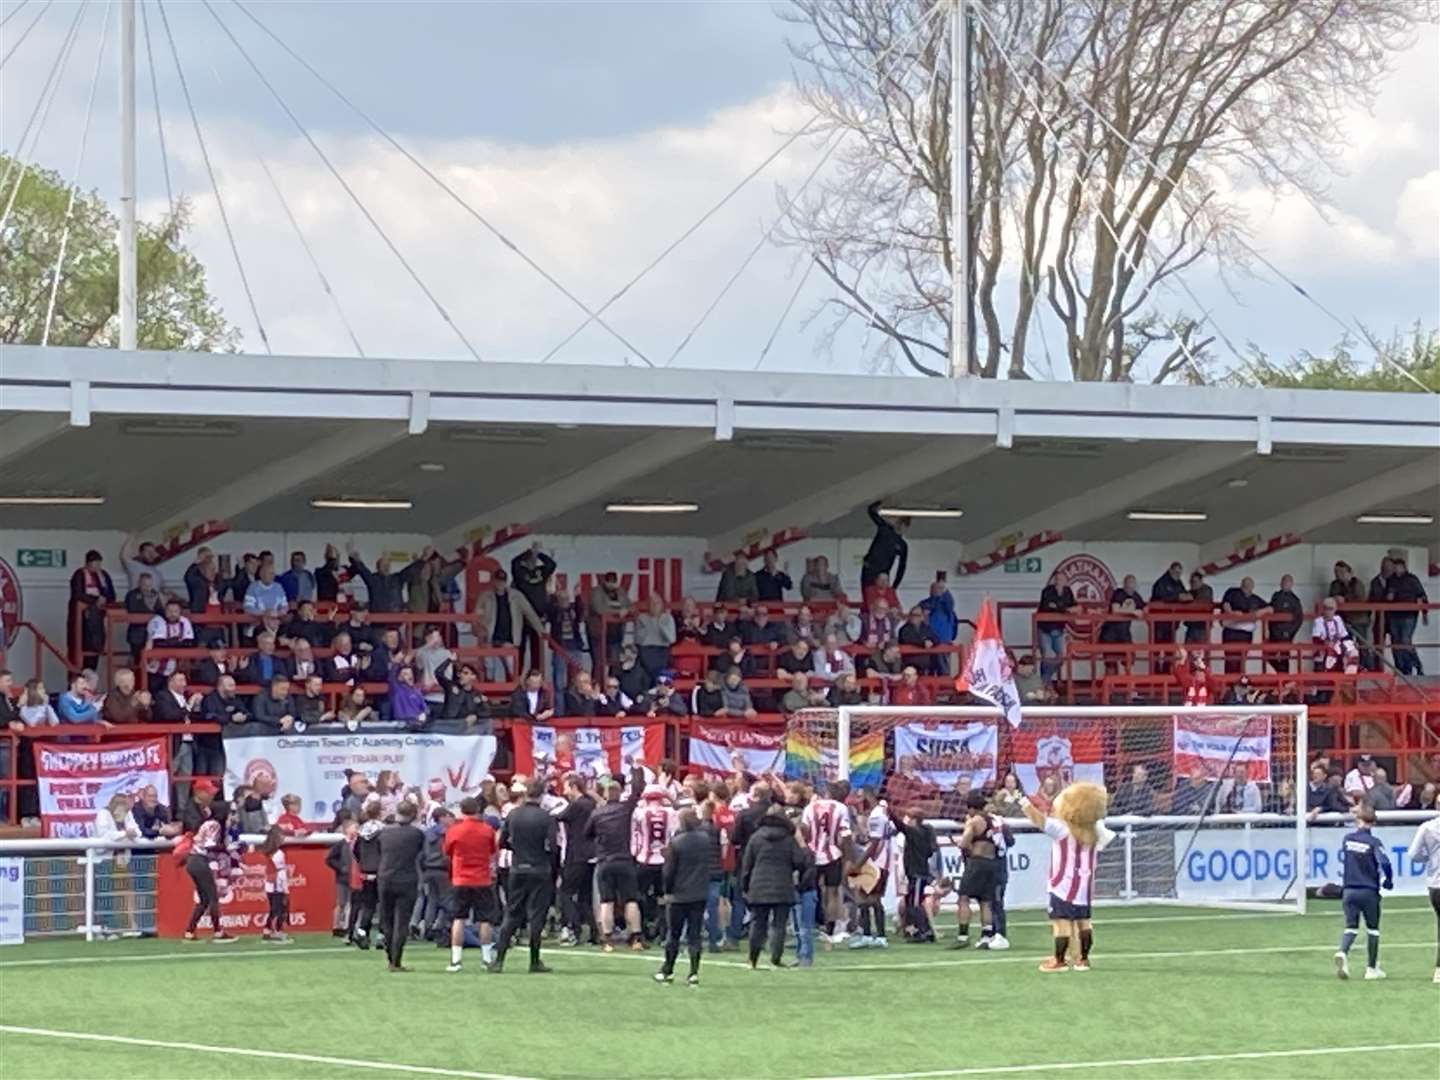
(1077, 835)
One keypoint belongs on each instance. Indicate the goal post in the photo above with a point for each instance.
(1207, 803)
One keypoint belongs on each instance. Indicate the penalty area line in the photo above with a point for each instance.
(194, 952)
(241, 1051)
(1129, 1063)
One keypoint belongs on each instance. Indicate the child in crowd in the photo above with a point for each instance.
(277, 886)
(341, 859)
(289, 821)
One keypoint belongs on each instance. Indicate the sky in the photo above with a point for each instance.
(593, 135)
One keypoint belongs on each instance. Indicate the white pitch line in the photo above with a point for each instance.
(278, 1055)
(1121, 1063)
(1107, 920)
(196, 952)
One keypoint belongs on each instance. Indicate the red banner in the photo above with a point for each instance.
(75, 781)
(589, 751)
(1064, 750)
(243, 904)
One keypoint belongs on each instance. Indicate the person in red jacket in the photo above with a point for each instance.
(470, 844)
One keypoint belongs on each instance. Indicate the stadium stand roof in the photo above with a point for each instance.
(252, 439)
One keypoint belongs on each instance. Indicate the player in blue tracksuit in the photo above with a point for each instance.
(1367, 870)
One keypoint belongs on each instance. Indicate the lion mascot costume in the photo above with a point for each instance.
(1077, 834)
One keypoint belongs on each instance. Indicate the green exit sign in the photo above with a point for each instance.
(40, 558)
(1028, 565)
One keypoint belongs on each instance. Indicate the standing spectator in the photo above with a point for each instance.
(298, 582)
(608, 605)
(530, 574)
(888, 550)
(655, 635)
(1125, 602)
(567, 627)
(1202, 598)
(1405, 588)
(266, 596)
(327, 578)
(1321, 796)
(1240, 600)
(1282, 631)
(915, 633)
(141, 600)
(845, 625)
(690, 863)
(398, 880)
(772, 583)
(772, 858)
(879, 622)
(818, 583)
(170, 630)
(763, 631)
(426, 580)
(1135, 796)
(1056, 601)
(173, 706)
(384, 591)
(35, 709)
(532, 701)
(1168, 590)
(144, 561)
(939, 609)
(90, 590)
(1348, 589)
(737, 584)
(515, 621)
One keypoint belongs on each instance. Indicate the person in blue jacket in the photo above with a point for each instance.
(1367, 870)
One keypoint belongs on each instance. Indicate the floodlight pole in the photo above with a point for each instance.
(962, 346)
(126, 301)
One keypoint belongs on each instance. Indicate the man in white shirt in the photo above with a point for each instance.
(1239, 794)
(144, 561)
(1425, 849)
(1360, 779)
(172, 630)
(1341, 652)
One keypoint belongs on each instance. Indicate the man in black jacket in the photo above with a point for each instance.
(385, 591)
(920, 846)
(773, 856)
(689, 864)
(462, 701)
(608, 830)
(745, 822)
(533, 838)
(1168, 590)
(887, 546)
(401, 845)
(577, 875)
(1283, 631)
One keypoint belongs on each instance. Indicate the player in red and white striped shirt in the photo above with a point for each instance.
(829, 821)
(652, 825)
(1077, 836)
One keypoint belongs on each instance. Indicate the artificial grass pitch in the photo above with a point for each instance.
(1174, 993)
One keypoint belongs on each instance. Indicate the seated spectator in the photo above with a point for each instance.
(302, 662)
(1321, 796)
(531, 700)
(719, 629)
(169, 630)
(463, 701)
(767, 631)
(354, 709)
(343, 664)
(1238, 794)
(832, 661)
(804, 628)
(310, 704)
(274, 708)
(708, 698)
(879, 590)
(1332, 633)
(617, 702)
(818, 583)
(915, 633)
(1006, 800)
(218, 662)
(737, 583)
(77, 704)
(124, 704)
(583, 699)
(1280, 799)
(800, 695)
(151, 816)
(1382, 795)
(385, 656)
(1135, 796)
(632, 677)
(655, 635)
(1360, 779)
(735, 696)
(880, 622)
(261, 667)
(910, 690)
(663, 701)
(357, 624)
(736, 655)
(845, 691)
(1029, 685)
(1193, 796)
(304, 626)
(35, 709)
(223, 705)
(845, 625)
(745, 625)
(145, 600)
(692, 625)
(407, 702)
(887, 665)
(796, 657)
(1427, 797)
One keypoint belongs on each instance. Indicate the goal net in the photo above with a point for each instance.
(1207, 803)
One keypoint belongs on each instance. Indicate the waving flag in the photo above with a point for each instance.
(988, 672)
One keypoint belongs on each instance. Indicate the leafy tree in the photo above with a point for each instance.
(1418, 354)
(173, 301)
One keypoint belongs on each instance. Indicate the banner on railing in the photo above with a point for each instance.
(243, 904)
(1214, 745)
(75, 782)
(12, 901)
(760, 750)
(941, 753)
(589, 751)
(1066, 751)
(314, 767)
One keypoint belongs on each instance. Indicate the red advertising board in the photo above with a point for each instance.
(243, 905)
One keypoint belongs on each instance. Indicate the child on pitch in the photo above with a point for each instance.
(1366, 871)
(1425, 849)
(1077, 835)
(277, 886)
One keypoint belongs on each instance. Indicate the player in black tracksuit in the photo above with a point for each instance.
(533, 837)
(1367, 870)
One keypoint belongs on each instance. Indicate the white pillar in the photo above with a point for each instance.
(127, 175)
(960, 192)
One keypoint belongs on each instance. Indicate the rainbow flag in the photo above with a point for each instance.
(814, 757)
(867, 760)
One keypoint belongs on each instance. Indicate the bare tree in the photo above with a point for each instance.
(1107, 136)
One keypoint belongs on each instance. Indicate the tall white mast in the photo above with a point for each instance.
(960, 192)
(127, 175)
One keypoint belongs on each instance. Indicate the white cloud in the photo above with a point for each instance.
(1417, 216)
